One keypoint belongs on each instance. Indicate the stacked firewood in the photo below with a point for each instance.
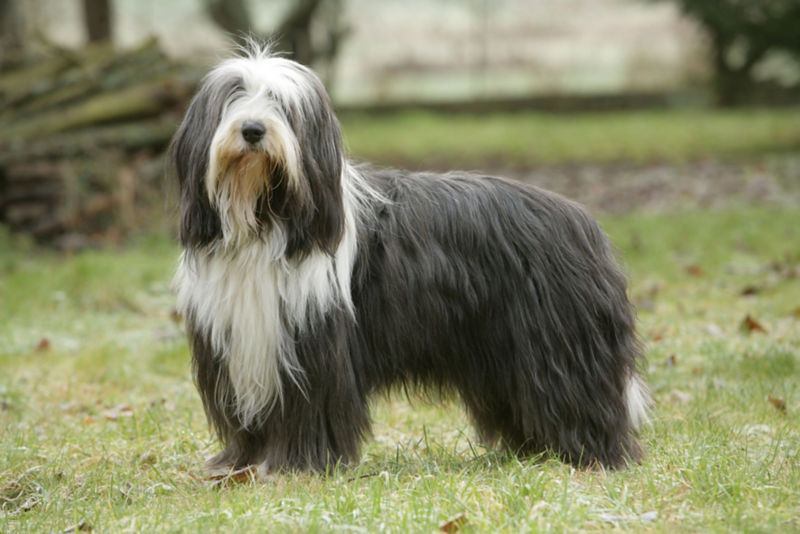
(82, 137)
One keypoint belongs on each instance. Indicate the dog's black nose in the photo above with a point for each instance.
(253, 132)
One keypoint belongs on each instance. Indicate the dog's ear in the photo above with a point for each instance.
(189, 156)
(321, 146)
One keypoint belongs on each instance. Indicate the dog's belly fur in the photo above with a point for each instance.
(505, 294)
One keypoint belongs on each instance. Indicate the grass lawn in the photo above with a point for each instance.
(101, 425)
(525, 139)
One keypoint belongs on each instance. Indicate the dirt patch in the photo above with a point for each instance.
(665, 187)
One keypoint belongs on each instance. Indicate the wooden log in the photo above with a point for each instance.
(26, 214)
(139, 101)
(100, 71)
(40, 76)
(29, 194)
(81, 149)
(129, 137)
(93, 207)
(23, 191)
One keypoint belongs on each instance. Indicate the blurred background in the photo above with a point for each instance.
(622, 104)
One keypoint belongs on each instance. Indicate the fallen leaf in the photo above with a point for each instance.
(123, 410)
(83, 526)
(43, 345)
(750, 325)
(88, 420)
(671, 361)
(748, 291)
(31, 503)
(695, 270)
(796, 312)
(658, 335)
(148, 458)
(454, 524)
(240, 476)
(778, 403)
(786, 269)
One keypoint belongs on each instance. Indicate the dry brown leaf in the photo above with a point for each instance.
(796, 312)
(83, 526)
(43, 345)
(240, 476)
(658, 335)
(750, 325)
(671, 361)
(454, 524)
(695, 270)
(750, 290)
(778, 403)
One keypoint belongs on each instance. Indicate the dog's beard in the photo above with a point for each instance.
(242, 178)
(240, 189)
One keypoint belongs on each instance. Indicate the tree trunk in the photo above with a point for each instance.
(294, 33)
(11, 28)
(733, 84)
(97, 16)
(233, 16)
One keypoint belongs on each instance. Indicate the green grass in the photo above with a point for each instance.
(104, 426)
(524, 139)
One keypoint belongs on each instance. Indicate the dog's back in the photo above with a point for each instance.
(510, 295)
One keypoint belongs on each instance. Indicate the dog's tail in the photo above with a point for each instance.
(637, 401)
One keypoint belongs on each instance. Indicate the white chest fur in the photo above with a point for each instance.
(251, 301)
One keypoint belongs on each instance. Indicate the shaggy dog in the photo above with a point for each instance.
(309, 283)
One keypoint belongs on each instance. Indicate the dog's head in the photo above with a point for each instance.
(258, 155)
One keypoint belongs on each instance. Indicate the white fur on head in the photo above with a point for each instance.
(271, 90)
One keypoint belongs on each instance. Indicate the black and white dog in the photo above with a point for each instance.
(308, 284)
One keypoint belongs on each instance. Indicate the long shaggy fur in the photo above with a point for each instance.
(308, 284)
